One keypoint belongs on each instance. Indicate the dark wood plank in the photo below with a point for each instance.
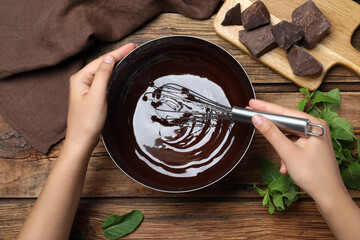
(179, 218)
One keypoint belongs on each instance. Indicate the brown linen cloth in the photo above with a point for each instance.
(42, 43)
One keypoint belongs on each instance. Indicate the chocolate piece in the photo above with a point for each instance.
(312, 21)
(258, 41)
(302, 62)
(286, 34)
(255, 15)
(233, 16)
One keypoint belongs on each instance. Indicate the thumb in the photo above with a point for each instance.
(283, 146)
(102, 75)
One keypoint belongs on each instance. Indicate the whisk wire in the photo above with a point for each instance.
(177, 98)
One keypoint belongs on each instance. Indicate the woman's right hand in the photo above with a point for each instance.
(310, 161)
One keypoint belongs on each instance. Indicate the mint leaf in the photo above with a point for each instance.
(347, 154)
(342, 129)
(291, 195)
(328, 116)
(358, 148)
(281, 188)
(281, 184)
(351, 175)
(306, 92)
(348, 144)
(301, 104)
(332, 107)
(324, 105)
(338, 150)
(335, 94)
(339, 134)
(260, 191)
(278, 201)
(269, 171)
(116, 226)
(314, 95)
(314, 112)
(266, 198)
(271, 207)
(324, 98)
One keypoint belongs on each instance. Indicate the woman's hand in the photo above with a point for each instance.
(53, 212)
(87, 100)
(309, 160)
(311, 163)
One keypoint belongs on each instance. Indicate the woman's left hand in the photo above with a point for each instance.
(87, 100)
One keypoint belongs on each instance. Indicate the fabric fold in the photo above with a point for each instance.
(43, 44)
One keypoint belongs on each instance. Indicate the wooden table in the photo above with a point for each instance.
(229, 209)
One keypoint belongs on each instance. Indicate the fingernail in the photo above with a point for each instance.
(257, 121)
(109, 59)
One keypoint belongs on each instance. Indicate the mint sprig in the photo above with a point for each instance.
(116, 226)
(281, 188)
(324, 105)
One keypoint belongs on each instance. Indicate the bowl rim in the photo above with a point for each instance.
(250, 139)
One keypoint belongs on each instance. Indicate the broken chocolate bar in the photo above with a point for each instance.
(233, 16)
(258, 41)
(312, 21)
(286, 34)
(255, 15)
(302, 62)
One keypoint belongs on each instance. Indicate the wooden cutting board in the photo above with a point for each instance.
(335, 48)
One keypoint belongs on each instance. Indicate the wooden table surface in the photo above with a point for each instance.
(229, 209)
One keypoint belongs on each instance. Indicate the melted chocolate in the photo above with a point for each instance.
(175, 155)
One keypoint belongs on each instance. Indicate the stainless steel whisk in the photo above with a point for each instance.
(176, 99)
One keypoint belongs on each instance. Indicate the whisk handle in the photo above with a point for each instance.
(293, 125)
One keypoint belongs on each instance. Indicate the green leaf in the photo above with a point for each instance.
(335, 93)
(306, 92)
(332, 107)
(266, 198)
(269, 171)
(314, 112)
(342, 129)
(348, 144)
(287, 202)
(116, 226)
(351, 175)
(281, 184)
(320, 97)
(328, 116)
(291, 195)
(347, 154)
(301, 104)
(271, 207)
(260, 191)
(358, 148)
(278, 202)
(314, 95)
(339, 134)
(337, 149)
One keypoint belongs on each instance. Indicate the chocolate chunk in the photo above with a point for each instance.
(233, 16)
(302, 62)
(255, 15)
(312, 21)
(286, 34)
(258, 41)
